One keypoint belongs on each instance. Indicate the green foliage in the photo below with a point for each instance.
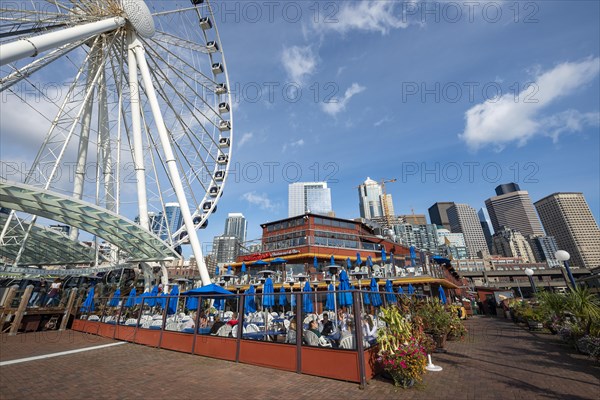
(398, 329)
(436, 319)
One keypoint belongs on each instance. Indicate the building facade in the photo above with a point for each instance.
(225, 249)
(463, 219)
(309, 197)
(513, 210)
(236, 225)
(371, 200)
(438, 214)
(485, 226)
(568, 218)
(422, 237)
(544, 248)
(511, 243)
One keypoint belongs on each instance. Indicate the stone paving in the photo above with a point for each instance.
(498, 360)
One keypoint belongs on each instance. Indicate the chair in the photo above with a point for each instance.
(146, 324)
(131, 322)
(311, 338)
(252, 328)
(224, 330)
(228, 314)
(156, 324)
(347, 343)
(234, 331)
(286, 324)
(94, 318)
(172, 326)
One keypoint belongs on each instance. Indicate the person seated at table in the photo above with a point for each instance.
(313, 326)
(234, 320)
(187, 322)
(203, 322)
(369, 328)
(291, 333)
(216, 325)
(328, 328)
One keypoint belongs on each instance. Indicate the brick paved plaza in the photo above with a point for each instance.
(498, 360)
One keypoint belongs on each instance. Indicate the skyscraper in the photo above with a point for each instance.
(543, 248)
(236, 225)
(225, 249)
(463, 219)
(568, 218)
(485, 226)
(422, 237)
(371, 200)
(314, 197)
(165, 224)
(438, 214)
(514, 210)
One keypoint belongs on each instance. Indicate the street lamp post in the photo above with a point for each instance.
(529, 273)
(564, 256)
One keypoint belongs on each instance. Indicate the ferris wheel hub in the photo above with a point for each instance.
(140, 17)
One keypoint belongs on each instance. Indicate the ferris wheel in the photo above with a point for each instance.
(128, 106)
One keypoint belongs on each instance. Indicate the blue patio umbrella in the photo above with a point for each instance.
(348, 263)
(217, 270)
(250, 302)
(392, 258)
(131, 299)
(293, 300)
(243, 268)
(383, 257)
(211, 291)
(413, 256)
(330, 303)
(411, 289)
(115, 299)
(375, 296)
(172, 309)
(366, 298)
(161, 300)
(88, 304)
(268, 298)
(344, 299)
(219, 303)
(261, 263)
(315, 262)
(278, 260)
(307, 303)
(229, 269)
(358, 260)
(369, 262)
(282, 299)
(140, 298)
(332, 260)
(389, 288)
(400, 290)
(151, 300)
(443, 298)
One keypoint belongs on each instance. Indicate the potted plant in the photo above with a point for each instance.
(406, 364)
(436, 321)
(400, 353)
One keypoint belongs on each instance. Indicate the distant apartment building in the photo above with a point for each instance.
(568, 218)
(511, 243)
(544, 248)
(225, 249)
(236, 225)
(309, 197)
(438, 214)
(422, 237)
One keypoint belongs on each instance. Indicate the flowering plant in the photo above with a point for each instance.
(406, 364)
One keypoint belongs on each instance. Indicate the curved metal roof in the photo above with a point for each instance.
(128, 236)
(45, 247)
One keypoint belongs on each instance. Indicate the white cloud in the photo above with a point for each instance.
(336, 105)
(246, 137)
(370, 16)
(507, 119)
(261, 200)
(297, 143)
(382, 121)
(299, 62)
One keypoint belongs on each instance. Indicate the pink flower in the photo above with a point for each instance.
(403, 364)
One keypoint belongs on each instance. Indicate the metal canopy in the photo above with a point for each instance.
(45, 247)
(128, 236)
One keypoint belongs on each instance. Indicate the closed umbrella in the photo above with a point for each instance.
(375, 296)
(217, 271)
(366, 298)
(243, 268)
(293, 300)
(161, 300)
(307, 302)
(315, 262)
(345, 298)
(140, 298)
(152, 297)
(400, 290)
(282, 299)
(332, 260)
(250, 302)
(115, 299)
(413, 256)
(131, 299)
(348, 263)
(383, 256)
(370, 262)
(173, 301)
(443, 298)
(268, 296)
(411, 289)
(358, 260)
(229, 270)
(88, 304)
(389, 288)
(219, 304)
(330, 302)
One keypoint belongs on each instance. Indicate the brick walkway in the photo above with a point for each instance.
(498, 360)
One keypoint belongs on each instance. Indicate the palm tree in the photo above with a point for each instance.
(585, 306)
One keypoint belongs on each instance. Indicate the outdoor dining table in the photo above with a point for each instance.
(203, 331)
(262, 334)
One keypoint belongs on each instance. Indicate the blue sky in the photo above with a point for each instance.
(451, 101)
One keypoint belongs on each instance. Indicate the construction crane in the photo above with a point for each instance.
(387, 217)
